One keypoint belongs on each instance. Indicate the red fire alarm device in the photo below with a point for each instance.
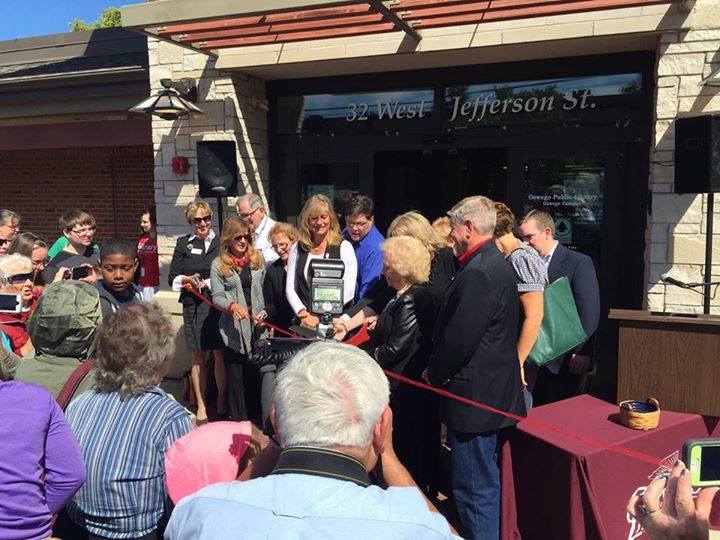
(180, 165)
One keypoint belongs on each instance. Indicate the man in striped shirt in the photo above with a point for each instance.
(124, 427)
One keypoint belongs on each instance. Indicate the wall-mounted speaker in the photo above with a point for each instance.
(217, 169)
(697, 154)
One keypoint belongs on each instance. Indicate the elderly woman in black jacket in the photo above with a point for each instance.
(402, 344)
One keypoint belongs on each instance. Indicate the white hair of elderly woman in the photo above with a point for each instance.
(330, 394)
(12, 265)
(479, 210)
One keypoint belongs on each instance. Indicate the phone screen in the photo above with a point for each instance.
(9, 303)
(80, 272)
(710, 464)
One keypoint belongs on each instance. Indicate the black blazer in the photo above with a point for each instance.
(475, 344)
(276, 305)
(580, 271)
(186, 263)
(402, 341)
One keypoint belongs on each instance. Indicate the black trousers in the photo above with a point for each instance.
(416, 433)
(243, 386)
(550, 388)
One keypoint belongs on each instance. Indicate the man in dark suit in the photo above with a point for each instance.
(564, 377)
(475, 356)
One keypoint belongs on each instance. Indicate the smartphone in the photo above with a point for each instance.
(198, 283)
(80, 272)
(702, 458)
(10, 303)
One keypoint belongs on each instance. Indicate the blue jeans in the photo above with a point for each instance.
(476, 483)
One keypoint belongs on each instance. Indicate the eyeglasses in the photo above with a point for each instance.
(242, 215)
(43, 262)
(203, 219)
(83, 232)
(245, 237)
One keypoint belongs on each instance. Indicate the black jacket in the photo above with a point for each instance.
(402, 341)
(186, 263)
(475, 344)
(276, 305)
(580, 271)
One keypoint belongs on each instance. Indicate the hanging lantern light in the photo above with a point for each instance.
(172, 102)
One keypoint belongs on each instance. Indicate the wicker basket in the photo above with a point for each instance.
(640, 414)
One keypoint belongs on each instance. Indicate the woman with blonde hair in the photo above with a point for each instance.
(190, 267)
(402, 343)
(319, 237)
(236, 278)
(443, 227)
(442, 270)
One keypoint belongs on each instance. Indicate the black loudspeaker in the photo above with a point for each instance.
(697, 154)
(217, 168)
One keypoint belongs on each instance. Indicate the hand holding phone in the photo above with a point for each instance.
(79, 272)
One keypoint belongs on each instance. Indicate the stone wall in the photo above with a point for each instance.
(235, 108)
(677, 225)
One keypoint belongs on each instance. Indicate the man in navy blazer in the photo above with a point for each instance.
(475, 356)
(564, 377)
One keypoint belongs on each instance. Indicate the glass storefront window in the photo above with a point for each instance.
(337, 181)
(571, 190)
(358, 111)
(536, 101)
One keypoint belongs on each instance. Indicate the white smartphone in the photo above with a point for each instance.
(10, 303)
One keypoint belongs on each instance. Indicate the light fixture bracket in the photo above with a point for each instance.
(186, 87)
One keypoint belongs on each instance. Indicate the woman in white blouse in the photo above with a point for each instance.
(319, 238)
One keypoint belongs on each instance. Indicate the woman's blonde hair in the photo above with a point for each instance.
(408, 257)
(233, 227)
(443, 227)
(192, 208)
(416, 225)
(318, 205)
(129, 347)
(284, 228)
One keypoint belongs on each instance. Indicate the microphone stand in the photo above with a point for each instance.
(708, 253)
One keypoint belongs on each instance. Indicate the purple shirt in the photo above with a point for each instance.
(35, 440)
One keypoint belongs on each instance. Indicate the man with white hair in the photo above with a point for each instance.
(332, 418)
(475, 356)
(251, 209)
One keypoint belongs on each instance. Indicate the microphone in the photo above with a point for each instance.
(665, 278)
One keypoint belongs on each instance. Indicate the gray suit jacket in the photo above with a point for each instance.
(237, 335)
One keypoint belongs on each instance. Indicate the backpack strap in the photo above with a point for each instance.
(73, 382)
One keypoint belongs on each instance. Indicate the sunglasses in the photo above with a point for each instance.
(245, 237)
(4, 241)
(20, 278)
(204, 219)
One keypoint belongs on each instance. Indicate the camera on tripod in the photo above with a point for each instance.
(326, 299)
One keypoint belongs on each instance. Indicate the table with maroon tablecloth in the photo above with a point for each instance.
(557, 487)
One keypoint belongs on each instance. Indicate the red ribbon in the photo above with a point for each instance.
(362, 336)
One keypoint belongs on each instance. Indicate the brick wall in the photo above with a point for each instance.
(113, 184)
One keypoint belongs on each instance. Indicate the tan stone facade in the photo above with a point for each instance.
(235, 110)
(677, 225)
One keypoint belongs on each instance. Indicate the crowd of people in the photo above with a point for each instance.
(344, 451)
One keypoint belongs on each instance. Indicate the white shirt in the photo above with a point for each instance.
(177, 285)
(261, 240)
(547, 258)
(294, 506)
(347, 254)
